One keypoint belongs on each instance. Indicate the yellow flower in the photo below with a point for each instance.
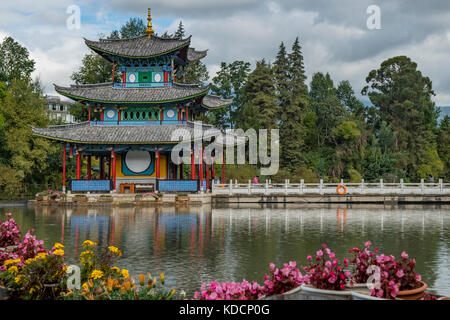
(13, 269)
(115, 269)
(10, 261)
(19, 278)
(161, 275)
(42, 255)
(88, 243)
(58, 245)
(96, 274)
(172, 293)
(28, 261)
(125, 273)
(32, 290)
(85, 285)
(58, 252)
(115, 250)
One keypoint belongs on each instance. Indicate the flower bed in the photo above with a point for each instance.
(31, 272)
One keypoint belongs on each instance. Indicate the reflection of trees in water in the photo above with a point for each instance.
(198, 244)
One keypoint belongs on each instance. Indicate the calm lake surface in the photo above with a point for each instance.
(199, 244)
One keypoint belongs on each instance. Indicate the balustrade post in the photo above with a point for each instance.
(285, 185)
(249, 186)
(381, 186)
(402, 186)
(421, 186)
(362, 186)
(441, 185)
(321, 186)
(267, 187)
(302, 184)
(231, 187)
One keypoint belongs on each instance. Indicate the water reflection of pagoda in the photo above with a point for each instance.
(137, 117)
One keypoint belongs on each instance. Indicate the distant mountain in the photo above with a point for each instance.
(445, 111)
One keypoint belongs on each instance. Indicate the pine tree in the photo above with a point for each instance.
(260, 103)
(180, 32)
(296, 92)
(281, 69)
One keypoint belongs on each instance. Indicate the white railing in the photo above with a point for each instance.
(288, 188)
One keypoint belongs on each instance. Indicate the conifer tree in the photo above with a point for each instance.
(180, 32)
(260, 103)
(296, 92)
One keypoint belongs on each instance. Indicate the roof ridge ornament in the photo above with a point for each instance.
(149, 30)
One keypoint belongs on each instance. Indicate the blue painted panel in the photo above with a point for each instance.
(142, 84)
(177, 185)
(137, 123)
(107, 117)
(168, 111)
(90, 185)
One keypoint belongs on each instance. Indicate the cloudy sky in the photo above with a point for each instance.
(333, 33)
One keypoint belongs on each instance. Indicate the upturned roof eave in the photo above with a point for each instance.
(93, 46)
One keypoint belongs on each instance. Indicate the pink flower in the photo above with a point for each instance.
(368, 244)
(418, 277)
(309, 258)
(319, 253)
(404, 255)
(400, 273)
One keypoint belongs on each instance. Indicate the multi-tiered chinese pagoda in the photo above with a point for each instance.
(133, 137)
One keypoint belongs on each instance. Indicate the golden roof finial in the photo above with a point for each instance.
(149, 30)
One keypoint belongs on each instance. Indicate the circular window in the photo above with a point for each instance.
(158, 77)
(170, 113)
(138, 161)
(132, 78)
(110, 114)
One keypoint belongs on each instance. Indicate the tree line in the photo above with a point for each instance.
(326, 132)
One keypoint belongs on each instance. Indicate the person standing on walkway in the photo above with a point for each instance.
(255, 180)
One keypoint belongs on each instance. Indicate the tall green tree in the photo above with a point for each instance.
(402, 97)
(327, 107)
(443, 145)
(180, 31)
(15, 62)
(229, 83)
(260, 107)
(291, 130)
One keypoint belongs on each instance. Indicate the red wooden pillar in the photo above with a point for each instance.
(89, 167)
(102, 167)
(192, 163)
(78, 174)
(157, 156)
(213, 175)
(109, 167)
(187, 113)
(113, 169)
(207, 175)
(64, 169)
(89, 114)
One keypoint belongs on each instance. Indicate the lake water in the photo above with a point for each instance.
(199, 244)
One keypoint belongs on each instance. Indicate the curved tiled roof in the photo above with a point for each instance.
(120, 134)
(193, 55)
(107, 93)
(138, 47)
(211, 102)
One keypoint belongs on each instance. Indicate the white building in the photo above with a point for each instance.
(59, 109)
